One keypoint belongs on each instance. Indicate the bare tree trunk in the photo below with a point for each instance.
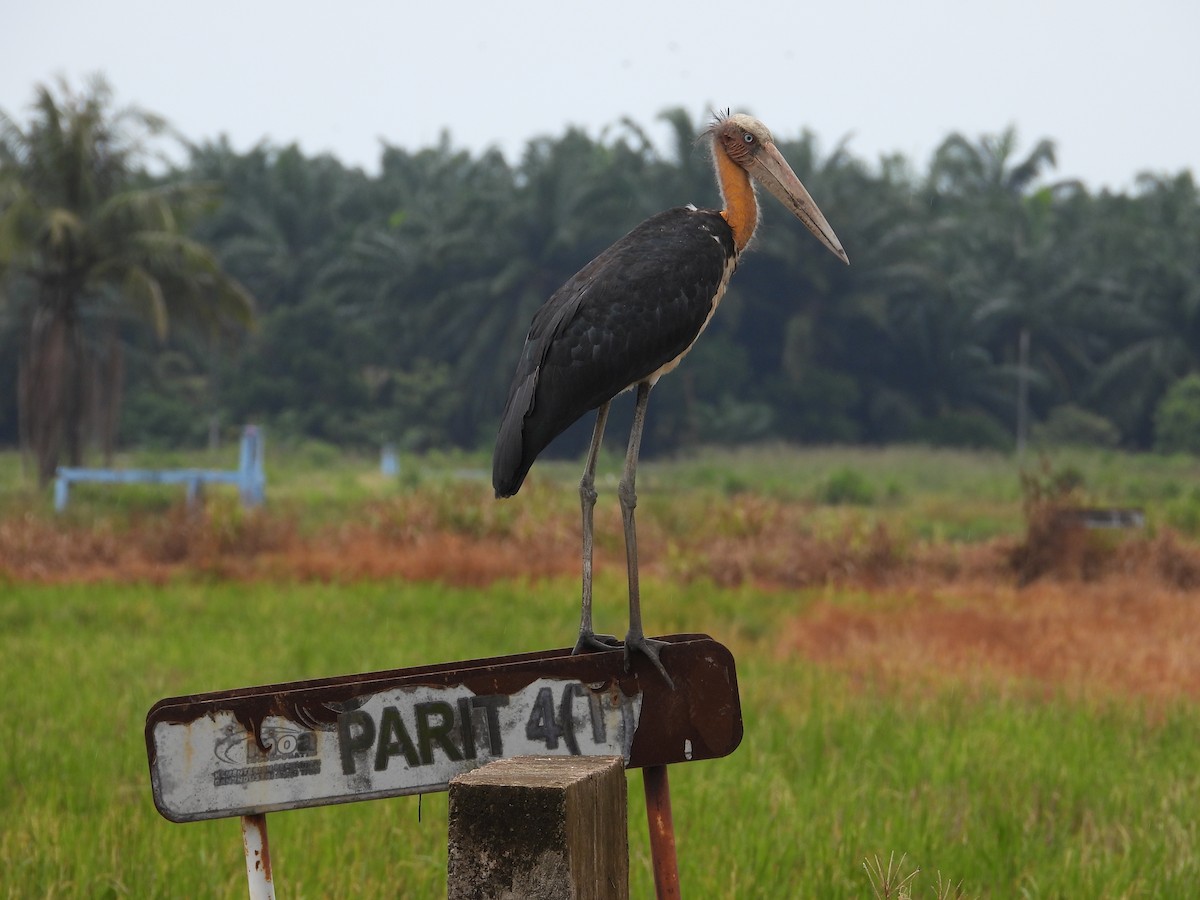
(214, 394)
(92, 399)
(23, 438)
(110, 390)
(1022, 391)
(52, 389)
(44, 394)
(75, 391)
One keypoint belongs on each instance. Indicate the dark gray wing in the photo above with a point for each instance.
(634, 308)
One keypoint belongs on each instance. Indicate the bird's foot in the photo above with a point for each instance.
(649, 648)
(589, 642)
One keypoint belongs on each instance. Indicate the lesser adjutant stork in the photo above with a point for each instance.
(628, 318)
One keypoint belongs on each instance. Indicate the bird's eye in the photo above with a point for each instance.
(747, 137)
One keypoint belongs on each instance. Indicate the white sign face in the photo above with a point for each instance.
(406, 740)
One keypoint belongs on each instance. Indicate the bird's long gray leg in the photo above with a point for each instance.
(588, 639)
(636, 638)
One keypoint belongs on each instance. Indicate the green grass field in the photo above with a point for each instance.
(1014, 795)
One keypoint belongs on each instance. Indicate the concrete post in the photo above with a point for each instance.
(540, 827)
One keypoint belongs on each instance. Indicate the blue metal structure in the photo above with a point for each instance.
(249, 476)
(389, 463)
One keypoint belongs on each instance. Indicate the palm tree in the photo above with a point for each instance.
(1012, 267)
(86, 242)
(1147, 246)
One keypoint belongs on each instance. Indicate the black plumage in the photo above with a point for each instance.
(626, 319)
(635, 308)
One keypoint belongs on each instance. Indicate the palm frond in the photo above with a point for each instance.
(146, 292)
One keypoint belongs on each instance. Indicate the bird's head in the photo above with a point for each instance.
(748, 143)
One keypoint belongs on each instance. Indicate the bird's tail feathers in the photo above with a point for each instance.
(509, 466)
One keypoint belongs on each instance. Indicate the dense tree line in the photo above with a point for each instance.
(392, 306)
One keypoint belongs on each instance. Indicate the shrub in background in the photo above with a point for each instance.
(1069, 425)
(847, 486)
(1177, 419)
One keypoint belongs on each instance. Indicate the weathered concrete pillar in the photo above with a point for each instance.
(540, 827)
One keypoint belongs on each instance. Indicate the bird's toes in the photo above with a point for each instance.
(650, 649)
(590, 642)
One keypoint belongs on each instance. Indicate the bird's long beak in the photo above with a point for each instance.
(771, 170)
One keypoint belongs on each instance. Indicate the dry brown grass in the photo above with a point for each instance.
(1120, 636)
(386, 540)
(470, 539)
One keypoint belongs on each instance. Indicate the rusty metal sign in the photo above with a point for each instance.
(409, 731)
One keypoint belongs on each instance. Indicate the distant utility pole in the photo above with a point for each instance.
(1022, 392)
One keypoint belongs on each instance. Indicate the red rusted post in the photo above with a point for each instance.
(258, 857)
(662, 832)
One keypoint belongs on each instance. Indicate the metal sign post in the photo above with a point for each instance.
(251, 751)
(662, 832)
(258, 857)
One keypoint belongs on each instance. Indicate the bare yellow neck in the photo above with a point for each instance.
(741, 207)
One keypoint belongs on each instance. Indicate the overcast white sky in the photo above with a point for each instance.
(1115, 84)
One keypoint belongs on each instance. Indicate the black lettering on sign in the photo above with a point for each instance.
(428, 733)
(566, 716)
(393, 740)
(490, 704)
(350, 742)
(599, 731)
(435, 722)
(466, 728)
(542, 726)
